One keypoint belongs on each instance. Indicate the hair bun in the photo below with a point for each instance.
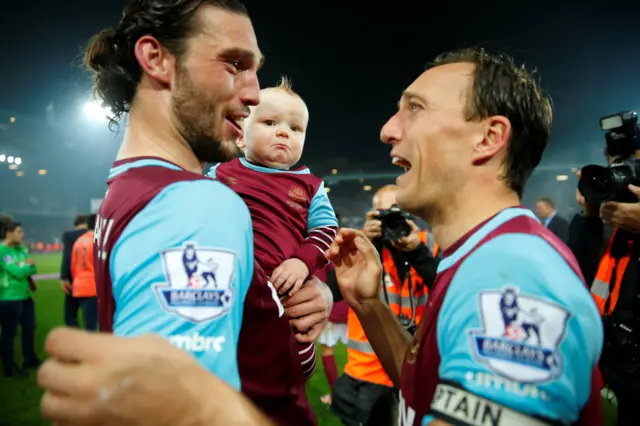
(101, 49)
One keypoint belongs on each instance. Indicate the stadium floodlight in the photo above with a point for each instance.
(17, 161)
(10, 159)
(2, 158)
(94, 112)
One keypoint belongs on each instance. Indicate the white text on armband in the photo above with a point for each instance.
(458, 406)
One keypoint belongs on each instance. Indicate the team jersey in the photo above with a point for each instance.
(510, 336)
(82, 271)
(174, 256)
(291, 212)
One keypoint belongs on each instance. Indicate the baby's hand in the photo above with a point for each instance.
(289, 276)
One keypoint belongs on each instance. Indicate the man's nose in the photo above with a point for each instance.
(392, 131)
(250, 93)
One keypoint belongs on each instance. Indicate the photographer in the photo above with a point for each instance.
(604, 239)
(365, 395)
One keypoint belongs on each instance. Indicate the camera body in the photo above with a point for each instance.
(394, 223)
(599, 184)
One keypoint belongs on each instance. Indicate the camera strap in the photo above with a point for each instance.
(402, 277)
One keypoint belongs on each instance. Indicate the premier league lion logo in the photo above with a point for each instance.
(520, 335)
(198, 282)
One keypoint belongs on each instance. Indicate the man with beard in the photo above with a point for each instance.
(174, 249)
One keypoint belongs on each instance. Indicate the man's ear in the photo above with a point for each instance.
(154, 59)
(496, 136)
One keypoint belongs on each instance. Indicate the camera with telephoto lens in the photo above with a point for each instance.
(599, 184)
(394, 223)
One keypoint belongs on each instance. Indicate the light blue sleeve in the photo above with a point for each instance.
(182, 268)
(519, 327)
(212, 171)
(321, 211)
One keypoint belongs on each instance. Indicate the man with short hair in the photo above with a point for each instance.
(16, 305)
(547, 213)
(469, 132)
(173, 248)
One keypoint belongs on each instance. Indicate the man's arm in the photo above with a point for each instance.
(16, 270)
(586, 242)
(322, 226)
(181, 269)
(514, 341)
(388, 338)
(65, 265)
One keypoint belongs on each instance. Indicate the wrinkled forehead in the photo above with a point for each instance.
(231, 34)
(278, 102)
(443, 86)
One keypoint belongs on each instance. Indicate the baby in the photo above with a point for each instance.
(293, 220)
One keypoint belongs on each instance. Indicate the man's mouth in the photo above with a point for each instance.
(235, 121)
(401, 162)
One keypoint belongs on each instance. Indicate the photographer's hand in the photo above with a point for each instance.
(372, 227)
(411, 241)
(587, 209)
(623, 215)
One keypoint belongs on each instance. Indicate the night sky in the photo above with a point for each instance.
(350, 64)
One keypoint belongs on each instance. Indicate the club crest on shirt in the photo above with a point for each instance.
(230, 180)
(297, 194)
(198, 283)
(520, 335)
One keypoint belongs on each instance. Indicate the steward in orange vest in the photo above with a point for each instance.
(406, 299)
(84, 280)
(364, 395)
(611, 269)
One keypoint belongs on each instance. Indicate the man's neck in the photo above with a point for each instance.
(82, 227)
(8, 243)
(151, 133)
(466, 211)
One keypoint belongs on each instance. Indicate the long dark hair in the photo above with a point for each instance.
(110, 53)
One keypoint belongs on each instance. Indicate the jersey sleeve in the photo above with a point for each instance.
(322, 227)
(181, 269)
(518, 334)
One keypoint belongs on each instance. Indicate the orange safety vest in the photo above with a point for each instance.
(84, 280)
(605, 286)
(362, 362)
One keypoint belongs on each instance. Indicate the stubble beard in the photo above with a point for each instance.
(199, 121)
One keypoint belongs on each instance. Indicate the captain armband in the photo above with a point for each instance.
(459, 407)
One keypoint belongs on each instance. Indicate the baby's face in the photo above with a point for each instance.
(274, 133)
